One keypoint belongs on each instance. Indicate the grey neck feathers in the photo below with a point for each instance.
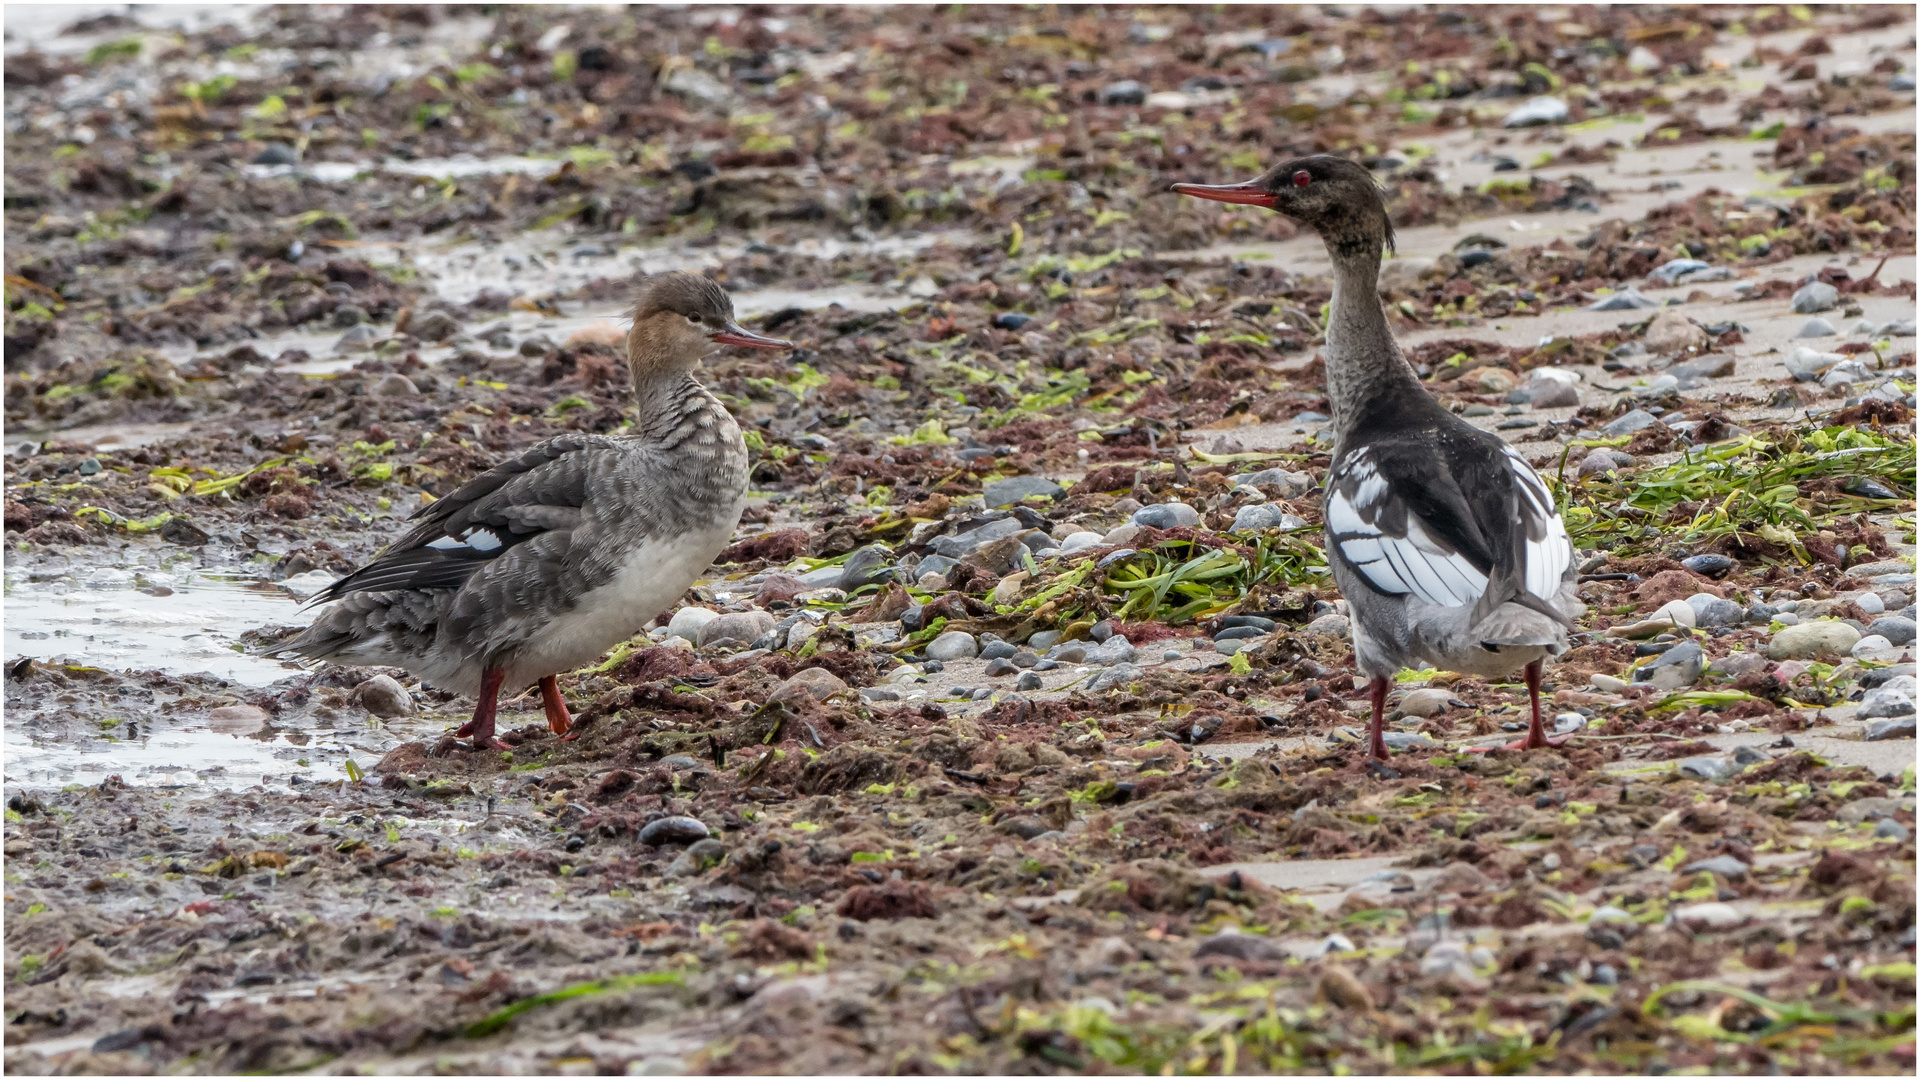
(676, 413)
(1364, 363)
(697, 462)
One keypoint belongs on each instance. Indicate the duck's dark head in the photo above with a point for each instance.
(1338, 197)
(680, 318)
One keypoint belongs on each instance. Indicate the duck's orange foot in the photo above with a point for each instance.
(491, 744)
(559, 721)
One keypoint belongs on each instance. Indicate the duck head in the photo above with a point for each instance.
(679, 319)
(1339, 198)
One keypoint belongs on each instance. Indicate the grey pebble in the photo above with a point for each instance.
(673, 830)
(1725, 865)
(1166, 516)
(953, 645)
(1895, 628)
(1815, 296)
(1898, 727)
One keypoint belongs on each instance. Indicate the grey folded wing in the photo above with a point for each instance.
(539, 493)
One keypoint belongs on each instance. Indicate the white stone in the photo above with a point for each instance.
(1425, 702)
(1670, 332)
(1868, 602)
(1825, 639)
(1805, 363)
(1869, 645)
(1077, 540)
(383, 696)
(1332, 625)
(953, 645)
(1678, 612)
(688, 622)
(1711, 916)
(1540, 110)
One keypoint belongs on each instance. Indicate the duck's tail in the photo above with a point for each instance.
(1520, 618)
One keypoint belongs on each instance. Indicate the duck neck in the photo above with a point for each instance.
(1364, 367)
(674, 411)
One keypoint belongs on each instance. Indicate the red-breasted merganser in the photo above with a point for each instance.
(542, 563)
(1444, 541)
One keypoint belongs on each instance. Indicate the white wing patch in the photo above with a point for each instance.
(1549, 548)
(479, 538)
(1416, 563)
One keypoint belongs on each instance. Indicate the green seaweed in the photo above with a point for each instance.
(500, 1019)
(1752, 485)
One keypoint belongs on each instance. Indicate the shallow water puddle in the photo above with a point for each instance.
(99, 436)
(115, 620)
(41, 26)
(193, 759)
(178, 623)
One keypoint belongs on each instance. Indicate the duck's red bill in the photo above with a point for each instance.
(1247, 194)
(735, 334)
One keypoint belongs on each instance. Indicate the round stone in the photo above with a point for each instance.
(674, 830)
(1166, 516)
(953, 645)
(688, 622)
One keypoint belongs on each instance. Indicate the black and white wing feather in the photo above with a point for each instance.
(1548, 548)
(537, 494)
(1468, 526)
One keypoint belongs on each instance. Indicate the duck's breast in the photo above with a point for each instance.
(650, 577)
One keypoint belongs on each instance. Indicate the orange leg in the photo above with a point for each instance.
(558, 718)
(484, 713)
(1536, 731)
(1376, 742)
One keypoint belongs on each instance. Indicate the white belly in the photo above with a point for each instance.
(652, 579)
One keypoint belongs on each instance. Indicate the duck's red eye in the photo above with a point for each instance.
(1302, 178)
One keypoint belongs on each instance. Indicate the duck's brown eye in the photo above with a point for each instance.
(1302, 178)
